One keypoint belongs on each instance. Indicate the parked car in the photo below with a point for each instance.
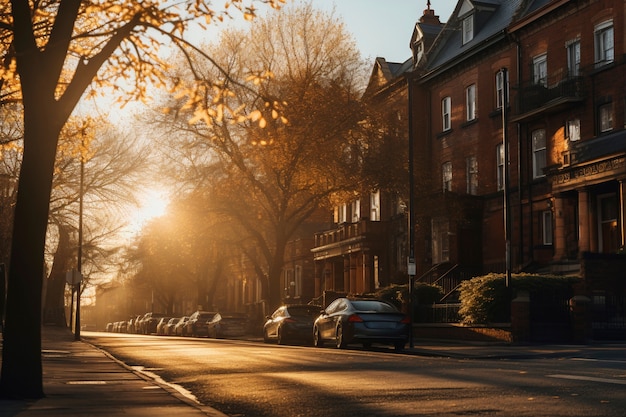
(291, 323)
(149, 322)
(168, 328)
(228, 325)
(179, 326)
(197, 324)
(160, 328)
(366, 321)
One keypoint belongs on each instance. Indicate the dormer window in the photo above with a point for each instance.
(468, 28)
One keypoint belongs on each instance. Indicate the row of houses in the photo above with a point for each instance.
(546, 79)
(513, 113)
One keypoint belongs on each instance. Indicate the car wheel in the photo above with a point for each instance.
(399, 346)
(340, 339)
(317, 338)
(280, 338)
(367, 345)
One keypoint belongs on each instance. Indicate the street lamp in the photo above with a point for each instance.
(79, 264)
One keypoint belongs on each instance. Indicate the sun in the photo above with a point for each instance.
(153, 204)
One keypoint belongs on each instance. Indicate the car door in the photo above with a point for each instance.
(326, 321)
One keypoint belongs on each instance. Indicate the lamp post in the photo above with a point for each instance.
(79, 264)
(411, 269)
(505, 177)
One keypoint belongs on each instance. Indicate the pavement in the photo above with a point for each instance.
(81, 380)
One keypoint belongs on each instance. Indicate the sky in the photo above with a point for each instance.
(383, 28)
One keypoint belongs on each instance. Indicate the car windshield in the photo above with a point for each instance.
(374, 306)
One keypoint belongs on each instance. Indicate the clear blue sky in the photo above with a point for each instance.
(384, 27)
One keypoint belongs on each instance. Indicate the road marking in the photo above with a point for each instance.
(588, 378)
(598, 360)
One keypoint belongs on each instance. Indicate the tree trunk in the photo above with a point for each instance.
(54, 308)
(21, 375)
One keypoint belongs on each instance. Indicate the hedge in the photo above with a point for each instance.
(486, 299)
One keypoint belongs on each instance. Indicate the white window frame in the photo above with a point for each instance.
(356, 210)
(573, 57)
(341, 213)
(500, 166)
(468, 28)
(446, 175)
(472, 175)
(547, 227)
(605, 117)
(540, 152)
(604, 43)
(446, 117)
(572, 129)
(470, 102)
(375, 206)
(499, 89)
(540, 70)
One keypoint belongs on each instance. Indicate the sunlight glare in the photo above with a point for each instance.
(153, 204)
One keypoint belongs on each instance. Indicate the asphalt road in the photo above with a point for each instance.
(242, 378)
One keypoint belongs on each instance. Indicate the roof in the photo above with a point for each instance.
(492, 17)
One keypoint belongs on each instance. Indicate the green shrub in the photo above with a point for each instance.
(486, 299)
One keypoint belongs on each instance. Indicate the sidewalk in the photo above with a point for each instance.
(81, 380)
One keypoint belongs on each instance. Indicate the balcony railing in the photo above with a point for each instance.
(347, 231)
(555, 92)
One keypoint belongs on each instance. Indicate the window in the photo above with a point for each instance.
(440, 240)
(500, 85)
(606, 117)
(470, 102)
(341, 213)
(445, 112)
(573, 129)
(573, 58)
(603, 34)
(546, 227)
(540, 70)
(356, 211)
(500, 166)
(539, 152)
(447, 176)
(375, 206)
(472, 175)
(468, 29)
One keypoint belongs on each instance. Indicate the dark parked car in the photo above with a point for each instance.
(197, 323)
(168, 328)
(291, 323)
(149, 322)
(366, 321)
(228, 325)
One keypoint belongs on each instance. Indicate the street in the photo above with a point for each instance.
(247, 378)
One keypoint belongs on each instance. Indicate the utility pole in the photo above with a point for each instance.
(411, 269)
(79, 264)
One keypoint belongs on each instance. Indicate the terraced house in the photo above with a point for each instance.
(517, 112)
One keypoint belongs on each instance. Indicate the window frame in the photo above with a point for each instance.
(605, 125)
(572, 49)
(375, 206)
(540, 69)
(601, 51)
(470, 102)
(446, 116)
(471, 169)
(500, 166)
(468, 28)
(539, 152)
(446, 176)
(547, 228)
(572, 129)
